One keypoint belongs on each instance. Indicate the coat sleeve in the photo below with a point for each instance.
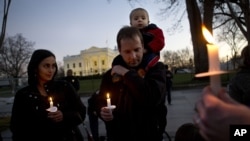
(149, 90)
(22, 122)
(158, 42)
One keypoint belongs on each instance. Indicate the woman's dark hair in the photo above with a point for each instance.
(245, 55)
(188, 132)
(128, 32)
(36, 59)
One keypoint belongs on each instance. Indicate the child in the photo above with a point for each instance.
(188, 132)
(153, 39)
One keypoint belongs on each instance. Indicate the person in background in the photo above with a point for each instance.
(188, 132)
(139, 101)
(153, 40)
(239, 87)
(93, 117)
(215, 114)
(32, 119)
(169, 77)
(72, 80)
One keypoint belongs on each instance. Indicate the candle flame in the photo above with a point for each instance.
(50, 99)
(208, 36)
(107, 95)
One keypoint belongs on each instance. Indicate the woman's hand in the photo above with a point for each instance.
(56, 116)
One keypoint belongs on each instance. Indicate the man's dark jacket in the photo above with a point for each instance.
(139, 105)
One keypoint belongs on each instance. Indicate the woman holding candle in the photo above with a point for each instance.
(30, 120)
(139, 102)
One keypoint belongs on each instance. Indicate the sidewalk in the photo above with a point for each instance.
(181, 111)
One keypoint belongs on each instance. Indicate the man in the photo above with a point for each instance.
(72, 80)
(93, 118)
(169, 77)
(139, 100)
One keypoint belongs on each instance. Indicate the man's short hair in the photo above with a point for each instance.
(128, 32)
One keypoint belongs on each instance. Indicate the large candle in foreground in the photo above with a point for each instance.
(214, 63)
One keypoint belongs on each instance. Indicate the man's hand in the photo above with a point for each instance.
(106, 114)
(118, 69)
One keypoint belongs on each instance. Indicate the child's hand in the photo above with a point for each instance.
(141, 72)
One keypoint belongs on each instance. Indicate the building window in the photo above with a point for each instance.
(68, 66)
(74, 65)
(80, 65)
(95, 63)
(80, 73)
(103, 62)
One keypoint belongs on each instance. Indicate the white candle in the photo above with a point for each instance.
(213, 58)
(214, 64)
(50, 102)
(108, 100)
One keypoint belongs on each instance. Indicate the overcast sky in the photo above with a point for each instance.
(68, 26)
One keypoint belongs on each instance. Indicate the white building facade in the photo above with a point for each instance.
(91, 61)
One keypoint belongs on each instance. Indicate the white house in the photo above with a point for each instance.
(90, 61)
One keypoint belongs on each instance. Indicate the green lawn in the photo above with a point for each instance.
(179, 81)
(184, 80)
(91, 85)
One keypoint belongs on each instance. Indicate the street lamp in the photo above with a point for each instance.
(227, 69)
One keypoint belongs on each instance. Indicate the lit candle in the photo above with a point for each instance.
(50, 102)
(213, 58)
(51, 108)
(108, 100)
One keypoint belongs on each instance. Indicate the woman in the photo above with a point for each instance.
(31, 120)
(239, 87)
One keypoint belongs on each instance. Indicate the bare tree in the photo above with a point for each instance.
(168, 57)
(60, 72)
(197, 15)
(178, 59)
(214, 14)
(232, 36)
(237, 13)
(14, 57)
(6, 6)
(203, 12)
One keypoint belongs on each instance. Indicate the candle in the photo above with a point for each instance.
(50, 102)
(108, 100)
(51, 108)
(213, 58)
